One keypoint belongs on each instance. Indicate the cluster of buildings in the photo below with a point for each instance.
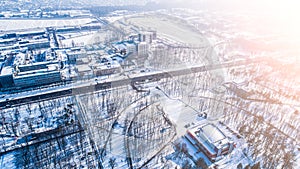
(40, 13)
(32, 58)
(35, 58)
(24, 40)
(102, 67)
(27, 59)
(22, 72)
(137, 44)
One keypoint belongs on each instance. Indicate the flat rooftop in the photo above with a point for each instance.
(36, 73)
(6, 71)
(50, 68)
(108, 65)
(83, 68)
(39, 63)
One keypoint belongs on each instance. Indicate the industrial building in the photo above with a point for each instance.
(84, 70)
(35, 66)
(31, 33)
(6, 77)
(73, 55)
(38, 77)
(106, 68)
(35, 45)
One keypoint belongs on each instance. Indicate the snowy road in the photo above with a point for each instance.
(91, 85)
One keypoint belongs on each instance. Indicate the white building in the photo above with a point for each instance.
(143, 48)
(147, 36)
(130, 48)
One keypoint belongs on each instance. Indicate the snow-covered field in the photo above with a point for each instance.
(166, 26)
(79, 39)
(23, 24)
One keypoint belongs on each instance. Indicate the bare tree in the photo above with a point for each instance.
(112, 163)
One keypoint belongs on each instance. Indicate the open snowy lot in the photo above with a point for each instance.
(21, 24)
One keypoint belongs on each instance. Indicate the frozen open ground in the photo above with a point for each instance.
(23, 24)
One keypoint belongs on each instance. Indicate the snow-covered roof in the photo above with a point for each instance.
(108, 65)
(210, 137)
(39, 63)
(83, 68)
(6, 71)
(50, 68)
(31, 32)
(213, 133)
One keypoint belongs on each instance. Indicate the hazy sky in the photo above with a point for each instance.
(279, 9)
(238, 4)
(284, 14)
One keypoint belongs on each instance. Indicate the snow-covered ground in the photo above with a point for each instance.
(79, 39)
(258, 101)
(167, 27)
(23, 24)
